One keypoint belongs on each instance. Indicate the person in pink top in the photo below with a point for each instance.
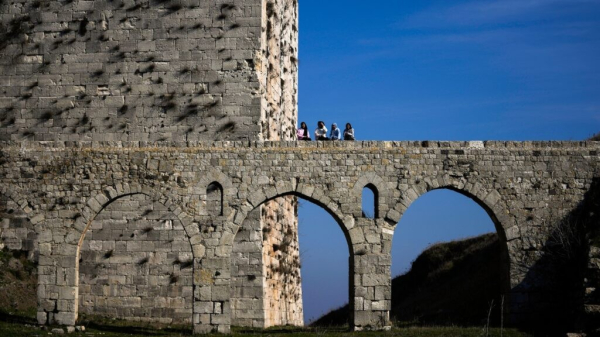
(302, 132)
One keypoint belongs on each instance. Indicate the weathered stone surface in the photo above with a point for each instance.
(58, 331)
(527, 200)
(136, 261)
(106, 112)
(143, 71)
(150, 72)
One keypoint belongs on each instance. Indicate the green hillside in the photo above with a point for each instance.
(18, 282)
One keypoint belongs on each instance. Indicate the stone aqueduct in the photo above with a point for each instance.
(525, 187)
(109, 105)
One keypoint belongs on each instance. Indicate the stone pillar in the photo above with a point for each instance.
(57, 283)
(546, 268)
(591, 300)
(247, 274)
(212, 276)
(281, 260)
(212, 309)
(372, 277)
(266, 288)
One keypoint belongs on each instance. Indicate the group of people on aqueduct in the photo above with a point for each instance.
(321, 132)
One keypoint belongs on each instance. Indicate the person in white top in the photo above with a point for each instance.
(321, 131)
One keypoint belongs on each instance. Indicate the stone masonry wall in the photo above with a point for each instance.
(277, 304)
(266, 283)
(281, 259)
(278, 72)
(135, 263)
(16, 231)
(147, 70)
(248, 277)
(527, 188)
(160, 75)
(281, 265)
(130, 70)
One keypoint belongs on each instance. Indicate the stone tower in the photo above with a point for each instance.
(157, 71)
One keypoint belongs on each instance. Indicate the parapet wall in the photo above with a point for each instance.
(527, 188)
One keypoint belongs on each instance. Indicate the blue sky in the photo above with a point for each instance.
(439, 70)
(509, 69)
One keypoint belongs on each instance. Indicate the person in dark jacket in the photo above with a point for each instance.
(348, 132)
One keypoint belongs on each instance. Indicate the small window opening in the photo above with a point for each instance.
(214, 199)
(369, 202)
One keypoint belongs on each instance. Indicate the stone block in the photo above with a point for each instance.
(370, 280)
(379, 305)
(65, 318)
(42, 317)
(58, 331)
(203, 307)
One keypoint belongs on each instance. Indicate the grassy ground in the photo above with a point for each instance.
(18, 303)
(18, 282)
(14, 325)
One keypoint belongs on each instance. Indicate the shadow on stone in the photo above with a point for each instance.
(551, 298)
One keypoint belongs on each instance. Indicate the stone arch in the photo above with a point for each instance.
(48, 269)
(18, 235)
(214, 199)
(374, 182)
(22, 209)
(21, 199)
(488, 199)
(111, 194)
(304, 191)
(282, 189)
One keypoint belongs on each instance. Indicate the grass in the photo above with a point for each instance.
(11, 325)
(18, 282)
(21, 321)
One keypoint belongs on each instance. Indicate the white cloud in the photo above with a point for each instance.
(476, 13)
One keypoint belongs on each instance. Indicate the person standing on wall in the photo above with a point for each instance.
(348, 132)
(321, 131)
(302, 133)
(335, 132)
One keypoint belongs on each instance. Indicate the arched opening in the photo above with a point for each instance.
(449, 263)
(271, 283)
(214, 199)
(326, 265)
(18, 263)
(135, 263)
(369, 202)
